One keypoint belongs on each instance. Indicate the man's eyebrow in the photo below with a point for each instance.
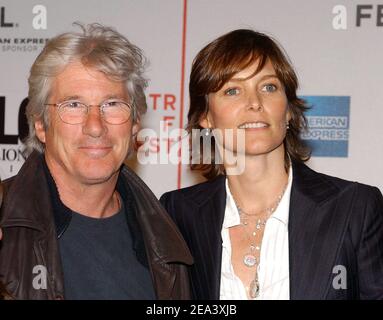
(70, 97)
(77, 97)
(113, 96)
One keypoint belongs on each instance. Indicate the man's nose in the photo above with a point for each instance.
(94, 124)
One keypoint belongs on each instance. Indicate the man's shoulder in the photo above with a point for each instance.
(7, 182)
(4, 187)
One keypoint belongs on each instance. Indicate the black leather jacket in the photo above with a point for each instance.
(31, 228)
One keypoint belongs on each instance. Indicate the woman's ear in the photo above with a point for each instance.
(204, 122)
(288, 114)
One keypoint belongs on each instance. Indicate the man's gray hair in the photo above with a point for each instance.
(98, 47)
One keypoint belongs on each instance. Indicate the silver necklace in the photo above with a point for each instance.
(250, 258)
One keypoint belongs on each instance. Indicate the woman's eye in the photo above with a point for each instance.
(269, 87)
(231, 91)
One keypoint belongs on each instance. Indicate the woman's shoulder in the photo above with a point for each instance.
(309, 177)
(197, 192)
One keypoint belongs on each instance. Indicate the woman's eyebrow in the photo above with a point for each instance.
(266, 76)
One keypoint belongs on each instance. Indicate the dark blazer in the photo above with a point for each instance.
(331, 222)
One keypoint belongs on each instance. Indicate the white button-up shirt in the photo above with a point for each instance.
(273, 270)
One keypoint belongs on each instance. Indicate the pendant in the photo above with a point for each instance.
(254, 288)
(249, 260)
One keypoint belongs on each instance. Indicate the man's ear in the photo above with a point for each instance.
(136, 127)
(40, 130)
(135, 143)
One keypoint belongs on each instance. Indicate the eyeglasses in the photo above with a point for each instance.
(76, 112)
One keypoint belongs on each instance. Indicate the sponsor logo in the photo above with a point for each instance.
(3, 22)
(328, 125)
(24, 43)
(365, 15)
(11, 147)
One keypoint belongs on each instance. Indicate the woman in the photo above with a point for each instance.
(274, 229)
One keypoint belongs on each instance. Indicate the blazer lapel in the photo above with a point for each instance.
(216, 243)
(316, 221)
(205, 237)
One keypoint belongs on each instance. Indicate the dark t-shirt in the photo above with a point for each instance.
(99, 261)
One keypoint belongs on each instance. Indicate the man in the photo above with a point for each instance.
(3, 292)
(76, 222)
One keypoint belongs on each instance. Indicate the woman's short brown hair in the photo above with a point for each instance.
(218, 62)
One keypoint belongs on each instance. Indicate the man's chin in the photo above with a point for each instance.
(92, 178)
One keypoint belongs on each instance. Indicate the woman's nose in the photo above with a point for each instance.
(254, 101)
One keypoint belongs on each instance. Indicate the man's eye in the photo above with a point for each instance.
(231, 91)
(269, 87)
(112, 104)
(73, 104)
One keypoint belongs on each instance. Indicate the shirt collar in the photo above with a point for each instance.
(231, 213)
(281, 213)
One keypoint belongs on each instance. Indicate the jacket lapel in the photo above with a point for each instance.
(316, 221)
(23, 210)
(159, 237)
(32, 208)
(206, 207)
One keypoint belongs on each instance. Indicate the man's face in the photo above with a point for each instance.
(91, 152)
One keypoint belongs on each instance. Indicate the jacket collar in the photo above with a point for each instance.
(27, 200)
(315, 225)
(161, 235)
(204, 206)
(206, 191)
(314, 186)
(61, 213)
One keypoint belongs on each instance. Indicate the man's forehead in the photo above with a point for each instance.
(82, 97)
(77, 81)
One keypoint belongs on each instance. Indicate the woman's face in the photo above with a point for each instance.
(256, 104)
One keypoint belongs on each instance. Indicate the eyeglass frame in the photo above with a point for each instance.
(100, 106)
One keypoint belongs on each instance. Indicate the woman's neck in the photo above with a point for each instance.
(263, 180)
